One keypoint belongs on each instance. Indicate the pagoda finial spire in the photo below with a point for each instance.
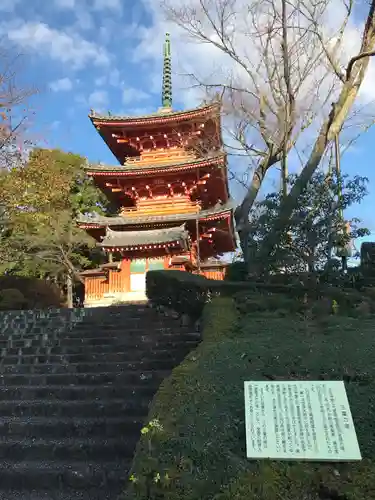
(166, 96)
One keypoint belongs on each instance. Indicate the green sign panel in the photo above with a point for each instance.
(299, 420)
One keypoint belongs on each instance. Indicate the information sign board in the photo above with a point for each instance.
(299, 420)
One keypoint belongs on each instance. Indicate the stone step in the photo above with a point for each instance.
(88, 357)
(80, 409)
(128, 324)
(93, 366)
(60, 494)
(74, 393)
(143, 342)
(65, 377)
(124, 325)
(43, 366)
(68, 448)
(57, 427)
(60, 474)
(73, 402)
(121, 338)
(96, 367)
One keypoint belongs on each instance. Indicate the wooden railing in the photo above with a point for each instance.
(162, 206)
(160, 157)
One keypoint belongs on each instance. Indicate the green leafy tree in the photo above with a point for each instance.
(315, 229)
(42, 199)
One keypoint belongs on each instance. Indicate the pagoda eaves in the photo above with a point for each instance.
(174, 238)
(96, 221)
(134, 169)
(157, 118)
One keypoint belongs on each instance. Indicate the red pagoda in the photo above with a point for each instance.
(171, 190)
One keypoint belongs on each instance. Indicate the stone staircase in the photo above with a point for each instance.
(73, 400)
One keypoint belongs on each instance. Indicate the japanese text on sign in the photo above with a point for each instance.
(304, 420)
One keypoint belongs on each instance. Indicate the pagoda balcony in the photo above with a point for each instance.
(162, 206)
(160, 157)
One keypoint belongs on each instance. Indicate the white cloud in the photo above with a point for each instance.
(85, 20)
(65, 4)
(115, 5)
(100, 5)
(61, 85)
(112, 78)
(100, 81)
(132, 95)
(98, 100)
(8, 5)
(211, 65)
(60, 46)
(208, 62)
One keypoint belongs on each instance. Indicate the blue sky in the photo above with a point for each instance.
(106, 54)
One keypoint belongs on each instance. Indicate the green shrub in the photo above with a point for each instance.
(38, 294)
(236, 271)
(220, 319)
(11, 298)
(302, 481)
(368, 259)
(201, 408)
(188, 293)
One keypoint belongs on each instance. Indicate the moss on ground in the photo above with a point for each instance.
(202, 447)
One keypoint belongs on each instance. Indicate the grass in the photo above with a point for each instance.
(202, 447)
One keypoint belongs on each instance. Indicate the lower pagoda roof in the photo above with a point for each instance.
(155, 238)
(96, 221)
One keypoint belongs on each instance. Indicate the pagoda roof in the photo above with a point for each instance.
(159, 117)
(211, 262)
(133, 168)
(95, 220)
(118, 239)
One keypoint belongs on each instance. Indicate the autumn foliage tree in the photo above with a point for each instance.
(43, 197)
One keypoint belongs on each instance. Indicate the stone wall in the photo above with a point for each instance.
(55, 320)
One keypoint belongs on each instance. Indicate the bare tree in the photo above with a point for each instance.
(351, 83)
(14, 110)
(281, 69)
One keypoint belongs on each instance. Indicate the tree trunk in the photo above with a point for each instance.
(242, 211)
(69, 290)
(355, 74)
(291, 201)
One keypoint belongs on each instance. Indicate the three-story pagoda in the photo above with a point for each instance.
(171, 189)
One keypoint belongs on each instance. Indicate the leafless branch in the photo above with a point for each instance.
(353, 60)
(279, 72)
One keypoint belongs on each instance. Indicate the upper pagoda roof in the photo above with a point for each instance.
(96, 221)
(159, 117)
(134, 169)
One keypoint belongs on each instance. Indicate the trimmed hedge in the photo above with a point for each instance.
(200, 453)
(368, 259)
(187, 293)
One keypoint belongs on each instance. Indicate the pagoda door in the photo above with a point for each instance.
(138, 275)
